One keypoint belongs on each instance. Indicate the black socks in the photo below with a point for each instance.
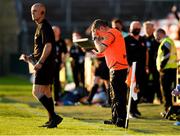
(93, 92)
(49, 105)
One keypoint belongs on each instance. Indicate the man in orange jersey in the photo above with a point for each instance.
(109, 43)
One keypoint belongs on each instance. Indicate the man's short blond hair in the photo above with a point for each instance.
(148, 23)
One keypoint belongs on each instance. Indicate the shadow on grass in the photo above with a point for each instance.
(150, 118)
(143, 131)
(149, 105)
(7, 100)
(14, 108)
(4, 99)
(93, 120)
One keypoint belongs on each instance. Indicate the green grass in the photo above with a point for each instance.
(21, 114)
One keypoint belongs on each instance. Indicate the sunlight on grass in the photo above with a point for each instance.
(21, 114)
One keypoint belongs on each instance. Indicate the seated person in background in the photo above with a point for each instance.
(101, 74)
(100, 96)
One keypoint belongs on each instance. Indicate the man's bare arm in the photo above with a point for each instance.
(46, 51)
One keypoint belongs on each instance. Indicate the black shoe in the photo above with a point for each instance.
(163, 114)
(134, 115)
(54, 122)
(120, 123)
(109, 122)
(137, 112)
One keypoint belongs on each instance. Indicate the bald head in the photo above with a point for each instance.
(38, 11)
(135, 27)
(57, 32)
(39, 6)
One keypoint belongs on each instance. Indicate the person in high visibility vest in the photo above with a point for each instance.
(166, 63)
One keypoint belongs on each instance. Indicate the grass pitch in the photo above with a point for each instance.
(21, 114)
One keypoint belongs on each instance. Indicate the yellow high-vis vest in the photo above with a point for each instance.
(172, 62)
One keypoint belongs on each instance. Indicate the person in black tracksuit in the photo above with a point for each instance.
(61, 50)
(153, 75)
(78, 56)
(137, 52)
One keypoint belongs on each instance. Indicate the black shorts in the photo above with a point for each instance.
(45, 75)
(102, 71)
